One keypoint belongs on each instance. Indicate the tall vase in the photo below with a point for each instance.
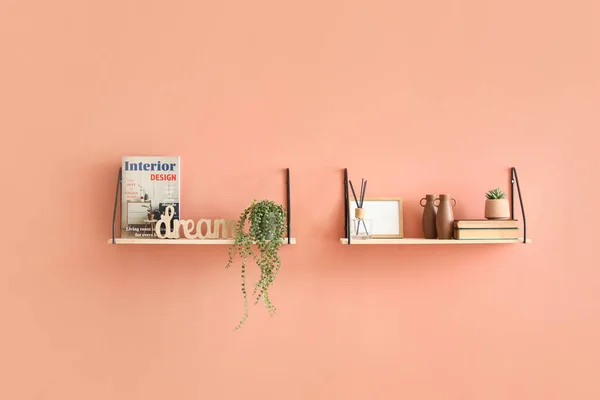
(445, 217)
(428, 221)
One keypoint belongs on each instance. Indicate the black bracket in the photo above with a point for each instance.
(119, 183)
(346, 207)
(515, 179)
(289, 207)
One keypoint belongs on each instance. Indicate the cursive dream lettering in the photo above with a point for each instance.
(204, 229)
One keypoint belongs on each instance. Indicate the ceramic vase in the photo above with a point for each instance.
(444, 221)
(428, 221)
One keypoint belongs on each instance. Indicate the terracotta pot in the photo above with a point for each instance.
(497, 209)
(444, 221)
(429, 216)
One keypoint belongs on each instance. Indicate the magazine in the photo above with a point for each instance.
(149, 185)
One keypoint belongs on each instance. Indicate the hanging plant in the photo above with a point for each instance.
(261, 241)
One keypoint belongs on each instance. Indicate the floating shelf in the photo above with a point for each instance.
(182, 241)
(513, 180)
(132, 240)
(430, 241)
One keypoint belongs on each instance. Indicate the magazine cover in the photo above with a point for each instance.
(149, 185)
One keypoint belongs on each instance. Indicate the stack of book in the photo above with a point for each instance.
(486, 229)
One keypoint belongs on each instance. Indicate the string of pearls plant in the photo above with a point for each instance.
(266, 230)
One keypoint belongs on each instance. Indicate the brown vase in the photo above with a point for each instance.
(429, 216)
(444, 221)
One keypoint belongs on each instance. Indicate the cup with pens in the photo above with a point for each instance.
(362, 227)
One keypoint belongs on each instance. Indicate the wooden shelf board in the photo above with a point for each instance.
(181, 241)
(429, 241)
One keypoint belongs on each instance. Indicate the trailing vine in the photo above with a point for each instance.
(262, 241)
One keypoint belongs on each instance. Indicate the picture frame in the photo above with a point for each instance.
(386, 214)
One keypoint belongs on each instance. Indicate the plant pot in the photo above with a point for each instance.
(497, 209)
(268, 226)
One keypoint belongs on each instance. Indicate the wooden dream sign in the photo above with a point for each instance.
(226, 228)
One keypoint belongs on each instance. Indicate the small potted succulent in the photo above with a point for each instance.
(267, 227)
(496, 205)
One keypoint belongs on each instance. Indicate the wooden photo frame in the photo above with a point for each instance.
(386, 214)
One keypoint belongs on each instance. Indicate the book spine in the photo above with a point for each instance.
(486, 233)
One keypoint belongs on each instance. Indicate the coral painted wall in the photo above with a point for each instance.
(417, 97)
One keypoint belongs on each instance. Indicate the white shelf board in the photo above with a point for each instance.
(430, 241)
(181, 241)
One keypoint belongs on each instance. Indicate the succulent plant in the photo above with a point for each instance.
(495, 194)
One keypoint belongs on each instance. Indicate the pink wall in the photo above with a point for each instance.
(417, 97)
